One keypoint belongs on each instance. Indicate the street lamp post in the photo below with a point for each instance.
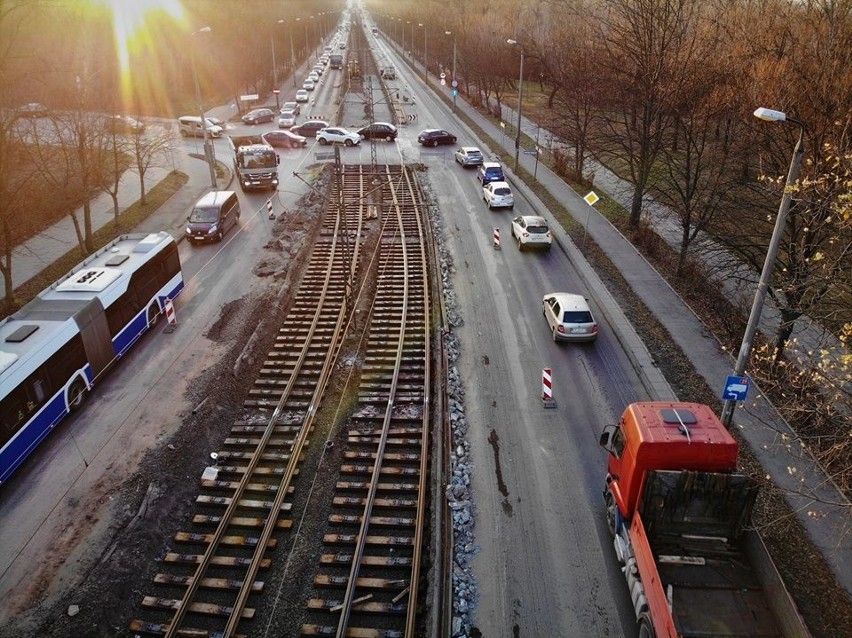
(520, 100)
(425, 51)
(274, 64)
(453, 82)
(292, 56)
(771, 253)
(208, 144)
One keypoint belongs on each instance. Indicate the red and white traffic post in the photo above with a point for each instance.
(547, 388)
(269, 209)
(496, 239)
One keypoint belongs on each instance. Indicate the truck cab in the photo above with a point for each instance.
(255, 162)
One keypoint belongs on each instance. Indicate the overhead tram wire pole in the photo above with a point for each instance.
(771, 253)
(208, 144)
(520, 100)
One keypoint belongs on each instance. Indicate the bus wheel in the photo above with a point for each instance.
(153, 315)
(76, 395)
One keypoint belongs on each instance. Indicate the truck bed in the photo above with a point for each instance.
(721, 597)
(694, 524)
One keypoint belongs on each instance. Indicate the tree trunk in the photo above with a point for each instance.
(636, 206)
(782, 334)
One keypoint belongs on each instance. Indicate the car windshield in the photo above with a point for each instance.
(537, 229)
(474, 154)
(502, 191)
(203, 215)
(576, 316)
(493, 171)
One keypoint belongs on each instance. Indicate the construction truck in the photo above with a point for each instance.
(679, 515)
(354, 69)
(255, 162)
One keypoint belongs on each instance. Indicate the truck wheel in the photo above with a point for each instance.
(76, 395)
(609, 502)
(646, 628)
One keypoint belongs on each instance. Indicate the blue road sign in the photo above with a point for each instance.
(736, 389)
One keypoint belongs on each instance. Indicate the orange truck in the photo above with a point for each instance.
(679, 515)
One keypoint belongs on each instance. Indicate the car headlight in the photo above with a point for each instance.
(188, 231)
(213, 229)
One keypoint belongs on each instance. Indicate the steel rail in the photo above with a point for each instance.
(195, 583)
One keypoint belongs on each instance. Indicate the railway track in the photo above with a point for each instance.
(244, 510)
(367, 582)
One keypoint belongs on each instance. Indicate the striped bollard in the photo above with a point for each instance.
(170, 316)
(547, 388)
(496, 239)
(269, 209)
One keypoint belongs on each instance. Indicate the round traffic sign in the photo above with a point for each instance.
(455, 83)
(443, 75)
(443, 82)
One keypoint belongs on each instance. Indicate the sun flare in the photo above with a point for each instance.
(132, 20)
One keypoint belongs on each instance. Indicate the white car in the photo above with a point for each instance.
(286, 119)
(469, 156)
(569, 317)
(301, 95)
(308, 85)
(314, 76)
(532, 231)
(498, 195)
(334, 134)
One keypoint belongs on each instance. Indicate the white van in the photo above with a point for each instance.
(190, 126)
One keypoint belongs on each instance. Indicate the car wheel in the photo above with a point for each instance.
(183, 133)
(434, 143)
(348, 143)
(520, 244)
(323, 141)
(511, 207)
(219, 235)
(389, 138)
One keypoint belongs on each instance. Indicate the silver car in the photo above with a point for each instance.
(469, 156)
(569, 317)
(286, 119)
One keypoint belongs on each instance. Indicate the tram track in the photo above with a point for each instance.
(244, 508)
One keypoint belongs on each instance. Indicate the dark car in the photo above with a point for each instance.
(33, 109)
(124, 125)
(309, 128)
(435, 136)
(378, 131)
(284, 139)
(259, 115)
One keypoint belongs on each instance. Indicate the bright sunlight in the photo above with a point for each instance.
(130, 19)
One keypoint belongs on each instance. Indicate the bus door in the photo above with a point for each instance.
(96, 337)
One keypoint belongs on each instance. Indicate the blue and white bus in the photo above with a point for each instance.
(55, 348)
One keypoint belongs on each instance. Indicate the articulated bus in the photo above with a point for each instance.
(55, 349)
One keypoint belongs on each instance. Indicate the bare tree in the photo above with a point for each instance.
(643, 41)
